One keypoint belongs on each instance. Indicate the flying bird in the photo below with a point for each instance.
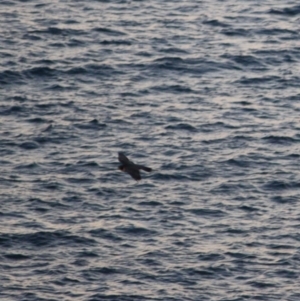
(131, 168)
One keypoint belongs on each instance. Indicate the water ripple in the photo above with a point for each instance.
(206, 94)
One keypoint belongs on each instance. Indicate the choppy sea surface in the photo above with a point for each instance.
(204, 92)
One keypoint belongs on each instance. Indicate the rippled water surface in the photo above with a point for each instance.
(204, 92)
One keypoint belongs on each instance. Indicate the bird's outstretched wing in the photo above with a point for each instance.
(123, 159)
(135, 174)
(145, 168)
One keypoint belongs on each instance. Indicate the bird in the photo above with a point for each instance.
(131, 168)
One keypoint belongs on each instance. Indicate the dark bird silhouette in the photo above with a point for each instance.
(131, 168)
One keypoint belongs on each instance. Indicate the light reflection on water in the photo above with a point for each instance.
(204, 93)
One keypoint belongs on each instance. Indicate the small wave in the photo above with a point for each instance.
(80, 180)
(169, 60)
(171, 50)
(276, 185)
(44, 140)
(116, 42)
(15, 110)
(170, 177)
(32, 37)
(19, 98)
(211, 257)
(57, 31)
(238, 162)
(281, 185)
(109, 32)
(91, 164)
(90, 254)
(236, 32)
(234, 231)
(181, 127)
(285, 199)
(287, 11)
(16, 257)
(134, 230)
(28, 166)
(215, 23)
(247, 61)
(239, 255)
(56, 87)
(207, 212)
(29, 145)
(173, 89)
(76, 43)
(44, 239)
(286, 273)
(276, 31)
(284, 140)
(105, 234)
(191, 65)
(150, 203)
(262, 285)
(228, 188)
(278, 246)
(37, 120)
(11, 77)
(104, 270)
(91, 125)
(52, 185)
(46, 105)
(40, 72)
(257, 80)
(248, 208)
(212, 127)
(93, 70)
(213, 141)
(121, 297)
(202, 273)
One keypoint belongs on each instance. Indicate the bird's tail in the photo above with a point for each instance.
(148, 169)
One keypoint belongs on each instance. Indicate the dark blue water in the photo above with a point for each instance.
(204, 92)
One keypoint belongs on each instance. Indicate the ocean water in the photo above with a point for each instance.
(204, 92)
